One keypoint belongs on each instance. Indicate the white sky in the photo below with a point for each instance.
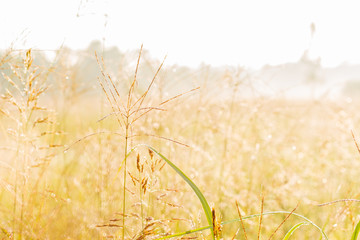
(246, 32)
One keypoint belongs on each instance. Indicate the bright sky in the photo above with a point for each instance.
(246, 32)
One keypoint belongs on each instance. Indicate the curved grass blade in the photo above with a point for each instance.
(207, 209)
(293, 229)
(324, 236)
(184, 233)
(197, 191)
(308, 221)
(356, 232)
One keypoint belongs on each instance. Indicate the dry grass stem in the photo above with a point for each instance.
(261, 217)
(241, 220)
(355, 141)
(286, 218)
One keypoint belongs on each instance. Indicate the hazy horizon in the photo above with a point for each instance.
(247, 33)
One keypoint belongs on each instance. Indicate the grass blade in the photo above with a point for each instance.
(308, 222)
(324, 236)
(208, 212)
(197, 191)
(184, 233)
(356, 232)
(293, 229)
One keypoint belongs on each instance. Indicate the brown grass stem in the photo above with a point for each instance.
(282, 223)
(261, 217)
(241, 219)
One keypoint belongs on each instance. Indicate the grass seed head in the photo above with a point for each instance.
(138, 163)
(151, 154)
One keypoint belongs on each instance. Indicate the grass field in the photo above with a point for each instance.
(85, 166)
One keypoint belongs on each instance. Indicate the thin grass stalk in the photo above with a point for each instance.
(114, 102)
(338, 201)
(226, 143)
(117, 100)
(355, 141)
(142, 98)
(24, 131)
(261, 216)
(134, 81)
(110, 84)
(16, 186)
(241, 220)
(108, 98)
(286, 218)
(148, 109)
(141, 207)
(236, 233)
(308, 221)
(124, 179)
(101, 167)
(140, 169)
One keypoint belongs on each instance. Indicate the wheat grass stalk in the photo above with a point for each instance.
(127, 113)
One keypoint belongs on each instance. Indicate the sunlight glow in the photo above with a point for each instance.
(249, 33)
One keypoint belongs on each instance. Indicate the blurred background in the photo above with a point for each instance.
(289, 49)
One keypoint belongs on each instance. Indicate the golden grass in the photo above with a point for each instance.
(294, 151)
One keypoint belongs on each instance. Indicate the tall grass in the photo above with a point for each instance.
(216, 156)
(31, 138)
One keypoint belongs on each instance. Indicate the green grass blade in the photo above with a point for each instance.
(324, 236)
(197, 191)
(184, 233)
(356, 232)
(293, 229)
(208, 213)
(308, 222)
